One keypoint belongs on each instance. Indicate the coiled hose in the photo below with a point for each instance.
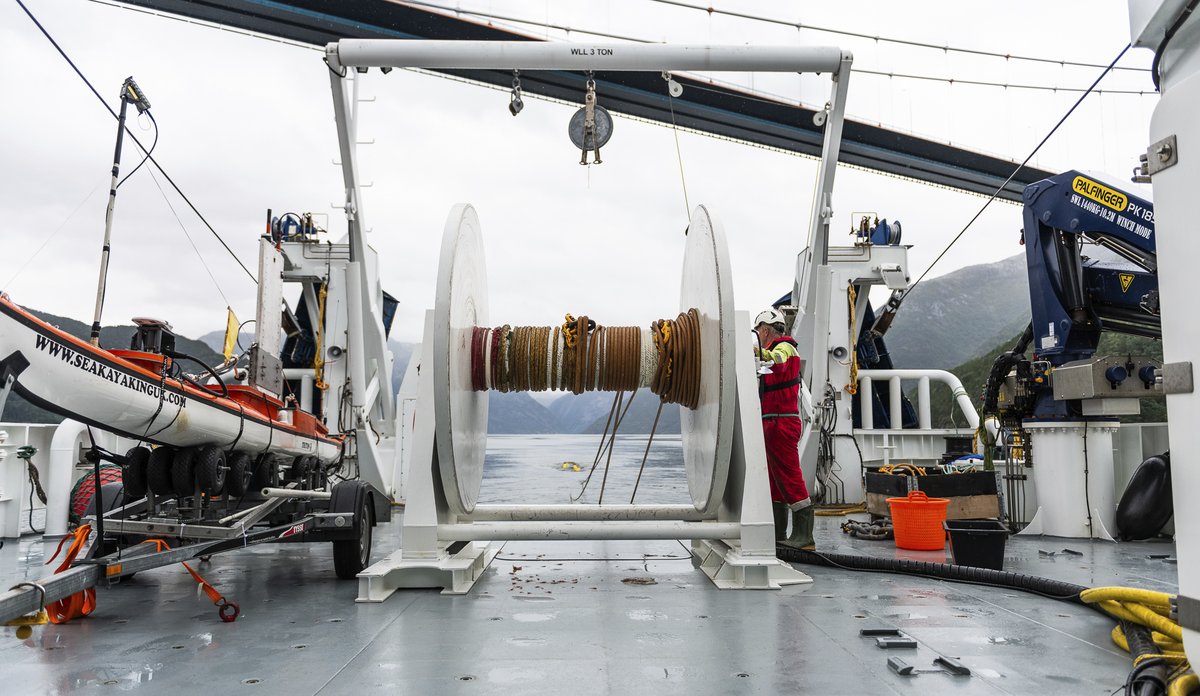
(1145, 628)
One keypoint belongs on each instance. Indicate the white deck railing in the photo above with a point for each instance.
(867, 378)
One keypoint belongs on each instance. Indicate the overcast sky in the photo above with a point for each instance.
(247, 124)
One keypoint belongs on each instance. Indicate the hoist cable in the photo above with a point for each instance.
(1018, 168)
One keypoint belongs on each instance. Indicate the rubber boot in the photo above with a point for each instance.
(780, 511)
(802, 529)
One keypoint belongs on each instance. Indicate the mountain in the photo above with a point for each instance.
(18, 410)
(956, 317)
(517, 413)
(216, 340)
(576, 413)
(640, 417)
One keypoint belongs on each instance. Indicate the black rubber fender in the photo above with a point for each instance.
(1146, 504)
(346, 496)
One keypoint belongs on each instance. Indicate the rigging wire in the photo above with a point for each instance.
(190, 241)
(1005, 85)
(687, 212)
(167, 176)
(546, 24)
(208, 25)
(153, 145)
(930, 78)
(903, 42)
(510, 18)
(1016, 170)
(774, 98)
(49, 238)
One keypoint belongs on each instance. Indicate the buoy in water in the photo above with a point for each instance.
(571, 466)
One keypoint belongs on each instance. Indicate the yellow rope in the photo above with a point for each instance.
(319, 357)
(1185, 684)
(568, 331)
(852, 387)
(1150, 609)
(839, 510)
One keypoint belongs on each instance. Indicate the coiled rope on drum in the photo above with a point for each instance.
(581, 356)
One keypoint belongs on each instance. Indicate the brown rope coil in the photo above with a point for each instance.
(580, 355)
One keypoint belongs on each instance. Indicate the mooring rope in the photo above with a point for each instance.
(581, 356)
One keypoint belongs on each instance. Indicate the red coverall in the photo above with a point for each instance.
(781, 422)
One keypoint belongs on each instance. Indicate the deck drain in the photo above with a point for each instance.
(301, 646)
(702, 616)
(331, 620)
(495, 618)
(109, 682)
(860, 616)
(174, 647)
(466, 677)
(742, 675)
(251, 680)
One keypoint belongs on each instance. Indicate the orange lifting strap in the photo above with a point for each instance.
(83, 602)
(228, 611)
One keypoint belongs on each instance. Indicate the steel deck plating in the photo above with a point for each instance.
(580, 618)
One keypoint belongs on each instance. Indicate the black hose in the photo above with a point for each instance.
(1149, 677)
(1023, 341)
(1054, 589)
(1156, 64)
(1000, 367)
(184, 356)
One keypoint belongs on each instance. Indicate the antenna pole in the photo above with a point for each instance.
(130, 93)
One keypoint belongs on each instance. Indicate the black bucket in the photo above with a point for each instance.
(977, 543)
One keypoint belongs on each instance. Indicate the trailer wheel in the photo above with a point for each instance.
(351, 556)
(158, 470)
(238, 479)
(133, 472)
(183, 472)
(300, 468)
(264, 472)
(210, 469)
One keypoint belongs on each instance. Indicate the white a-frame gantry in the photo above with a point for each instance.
(447, 535)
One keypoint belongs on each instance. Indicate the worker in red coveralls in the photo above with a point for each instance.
(781, 430)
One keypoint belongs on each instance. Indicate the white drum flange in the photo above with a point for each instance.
(708, 430)
(462, 414)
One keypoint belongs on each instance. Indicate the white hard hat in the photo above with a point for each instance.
(769, 316)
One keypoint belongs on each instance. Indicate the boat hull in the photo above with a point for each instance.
(68, 376)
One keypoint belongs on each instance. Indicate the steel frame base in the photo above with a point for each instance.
(730, 569)
(455, 573)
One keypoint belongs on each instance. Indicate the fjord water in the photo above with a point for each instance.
(529, 469)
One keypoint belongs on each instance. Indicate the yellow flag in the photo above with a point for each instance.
(231, 333)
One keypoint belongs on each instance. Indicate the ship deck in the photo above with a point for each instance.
(581, 618)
